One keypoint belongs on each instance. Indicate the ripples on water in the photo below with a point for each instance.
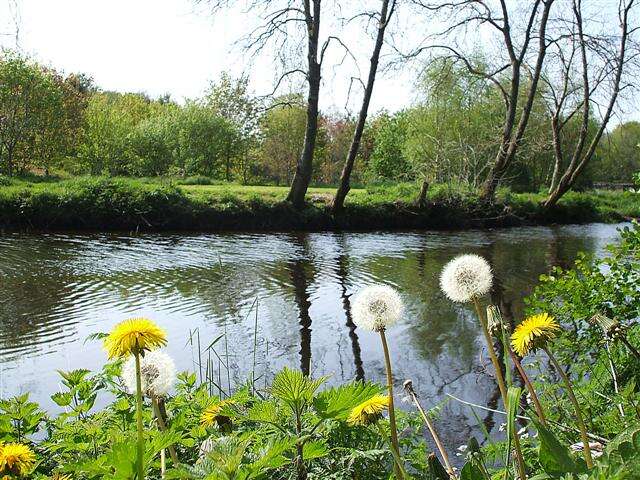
(55, 290)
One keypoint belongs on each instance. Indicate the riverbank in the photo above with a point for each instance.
(132, 204)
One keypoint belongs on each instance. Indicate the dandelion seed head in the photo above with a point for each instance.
(157, 370)
(466, 277)
(377, 308)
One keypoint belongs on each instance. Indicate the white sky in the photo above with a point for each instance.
(170, 46)
(165, 46)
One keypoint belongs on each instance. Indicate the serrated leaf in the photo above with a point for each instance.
(294, 388)
(338, 402)
(314, 449)
(62, 399)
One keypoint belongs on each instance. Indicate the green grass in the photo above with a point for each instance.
(162, 204)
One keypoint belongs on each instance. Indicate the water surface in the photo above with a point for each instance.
(57, 289)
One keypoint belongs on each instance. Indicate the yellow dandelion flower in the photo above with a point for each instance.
(134, 335)
(211, 414)
(369, 411)
(533, 333)
(16, 459)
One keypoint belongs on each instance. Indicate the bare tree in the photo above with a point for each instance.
(587, 76)
(283, 24)
(516, 44)
(302, 177)
(383, 17)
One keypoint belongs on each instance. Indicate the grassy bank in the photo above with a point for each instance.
(141, 204)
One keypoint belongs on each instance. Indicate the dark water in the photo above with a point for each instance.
(55, 290)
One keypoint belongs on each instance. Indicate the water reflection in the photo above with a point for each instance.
(301, 271)
(55, 290)
(342, 272)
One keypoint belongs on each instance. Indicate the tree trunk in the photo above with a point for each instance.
(502, 161)
(511, 141)
(422, 196)
(579, 160)
(345, 176)
(302, 177)
(10, 161)
(557, 153)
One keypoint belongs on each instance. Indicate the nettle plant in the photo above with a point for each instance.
(297, 428)
(294, 428)
(19, 418)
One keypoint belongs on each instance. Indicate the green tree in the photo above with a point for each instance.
(387, 159)
(619, 154)
(230, 99)
(110, 119)
(200, 141)
(282, 139)
(32, 114)
(451, 133)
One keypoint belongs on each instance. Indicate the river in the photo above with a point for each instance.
(57, 289)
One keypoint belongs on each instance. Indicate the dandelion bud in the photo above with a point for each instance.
(158, 374)
(611, 327)
(376, 308)
(494, 320)
(466, 277)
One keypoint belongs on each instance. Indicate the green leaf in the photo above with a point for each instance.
(471, 472)
(74, 377)
(264, 411)
(337, 403)
(437, 471)
(294, 388)
(62, 399)
(96, 336)
(314, 449)
(554, 457)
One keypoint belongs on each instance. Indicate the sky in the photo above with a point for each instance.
(173, 46)
(168, 46)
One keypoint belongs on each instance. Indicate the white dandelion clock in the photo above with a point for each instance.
(466, 277)
(377, 308)
(158, 374)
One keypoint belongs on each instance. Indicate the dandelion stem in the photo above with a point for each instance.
(529, 385)
(397, 461)
(631, 348)
(162, 426)
(492, 352)
(140, 443)
(436, 438)
(576, 406)
(513, 400)
(392, 413)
